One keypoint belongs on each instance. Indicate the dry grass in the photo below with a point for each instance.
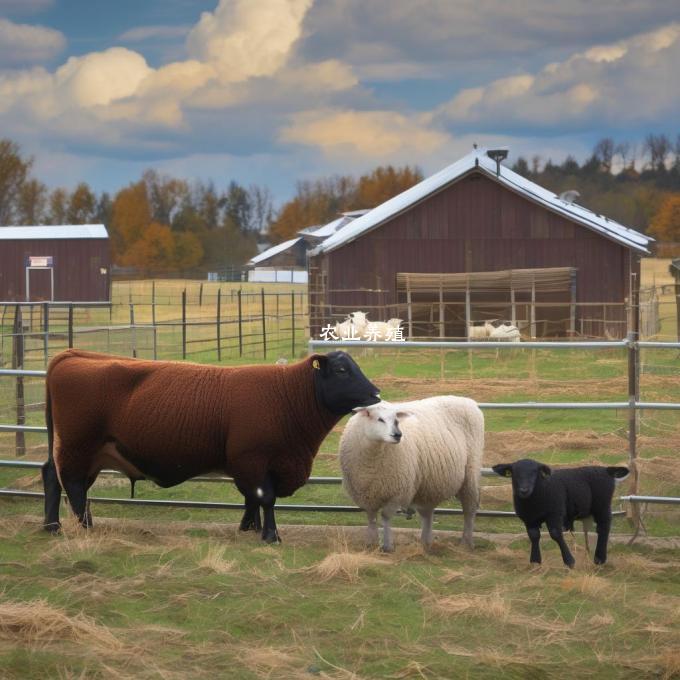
(215, 561)
(345, 566)
(37, 621)
(588, 584)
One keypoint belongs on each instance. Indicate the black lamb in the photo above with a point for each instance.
(560, 497)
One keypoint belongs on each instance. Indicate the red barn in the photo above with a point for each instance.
(477, 242)
(68, 263)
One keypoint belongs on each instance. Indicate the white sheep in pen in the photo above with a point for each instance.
(505, 333)
(480, 332)
(353, 326)
(436, 457)
(381, 330)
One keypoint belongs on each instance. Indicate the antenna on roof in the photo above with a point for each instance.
(498, 155)
(569, 196)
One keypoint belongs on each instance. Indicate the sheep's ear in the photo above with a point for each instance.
(319, 361)
(503, 469)
(362, 410)
(405, 414)
(545, 471)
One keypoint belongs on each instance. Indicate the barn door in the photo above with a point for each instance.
(39, 284)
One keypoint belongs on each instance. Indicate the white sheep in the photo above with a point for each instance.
(480, 332)
(439, 456)
(353, 326)
(505, 333)
(381, 330)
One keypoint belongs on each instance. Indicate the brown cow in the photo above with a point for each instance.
(170, 421)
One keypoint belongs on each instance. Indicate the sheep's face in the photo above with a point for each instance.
(525, 473)
(381, 422)
(359, 318)
(340, 385)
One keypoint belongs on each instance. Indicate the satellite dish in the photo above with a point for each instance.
(569, 196)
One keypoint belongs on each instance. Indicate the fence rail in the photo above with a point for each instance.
(633, 405)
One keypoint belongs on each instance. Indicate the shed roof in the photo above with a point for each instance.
(274, 250)
(477, 160)
(64, 231)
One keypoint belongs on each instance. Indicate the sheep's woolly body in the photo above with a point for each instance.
(439, 457)
(173, 420)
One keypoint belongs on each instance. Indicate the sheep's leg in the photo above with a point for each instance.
(469, 499)
(603, 526)
(587, 526)
(372, 538)
(388, 543)
(76, 491)
(426, 516)
(267, 498)
(556, 534)
(52, 490)
(534, 533)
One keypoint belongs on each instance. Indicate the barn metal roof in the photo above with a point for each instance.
(274, 250)
(63, 231)
(477, 160)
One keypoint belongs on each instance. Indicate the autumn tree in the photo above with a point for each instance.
(58, 206)
(14, 171)
(31, 202)
(82, 205)
(384, 183)
(130, 216)
(665, 225)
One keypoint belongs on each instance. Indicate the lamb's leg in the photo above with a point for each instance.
(534, 533)
(388, 543)
(52, 490)
(372, 538)
(556, 534)
(251, 519)
(587, 526)
(267, 497)
(604, 524)
(426, 516)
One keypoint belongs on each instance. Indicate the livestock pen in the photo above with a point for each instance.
(202, 600)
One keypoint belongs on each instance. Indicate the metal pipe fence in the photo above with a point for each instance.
(632, 405)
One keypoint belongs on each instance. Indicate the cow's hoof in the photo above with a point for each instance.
(52, 528)
(271, 536)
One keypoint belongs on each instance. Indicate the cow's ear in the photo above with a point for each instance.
(545, 471)
(503, 469)
(319, 361)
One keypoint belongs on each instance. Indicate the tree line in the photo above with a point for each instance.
(164, 224)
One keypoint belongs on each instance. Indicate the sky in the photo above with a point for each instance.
(271, 92)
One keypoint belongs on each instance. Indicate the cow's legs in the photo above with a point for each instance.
(267, 497)
(52, 490)
(251, 517)
(76, 490)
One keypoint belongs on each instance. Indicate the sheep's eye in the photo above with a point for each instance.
(380, 420)
(340, 369)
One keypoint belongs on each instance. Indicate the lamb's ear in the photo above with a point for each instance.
(618, 473)
(405, 414)
(545, 471)
(362, 410)
(503, 469)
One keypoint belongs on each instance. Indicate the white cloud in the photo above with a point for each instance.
(246, 39)
(24, 6)
(154, 32)
(629, 81)
(376, 134)
(27, 44)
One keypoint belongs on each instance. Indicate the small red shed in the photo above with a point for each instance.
(69, 263)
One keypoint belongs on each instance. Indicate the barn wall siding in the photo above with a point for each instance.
(77, 264)
(473, 225)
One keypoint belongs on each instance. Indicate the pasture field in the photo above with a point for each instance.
(176, 593)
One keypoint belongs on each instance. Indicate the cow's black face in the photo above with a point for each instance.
(340, 385)
(524, 475)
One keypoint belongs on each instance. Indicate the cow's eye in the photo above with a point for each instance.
(380, 420)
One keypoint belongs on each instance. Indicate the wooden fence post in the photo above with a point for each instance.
(133, 333)
(240, 324)
(219, 324)
(184, 324)
(264, 326)
(633, 396)
(153, 320)
(70, 326)
(292, 324)
(18, 363)
(200, 295)
(46, 331)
